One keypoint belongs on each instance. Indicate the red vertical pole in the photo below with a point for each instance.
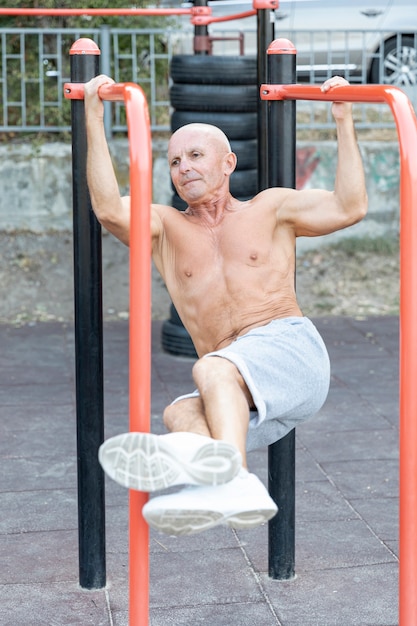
(407, 130)
(406, 123)
(140, 152)
(140, 337)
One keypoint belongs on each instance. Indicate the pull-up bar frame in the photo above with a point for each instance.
(140, 153)
(406, 124)
(199, 15)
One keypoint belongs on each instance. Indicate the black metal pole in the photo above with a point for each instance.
(281, 455)
(201, 34)
(265, 35)
(88, 344)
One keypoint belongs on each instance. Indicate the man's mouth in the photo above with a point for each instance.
(186, 181)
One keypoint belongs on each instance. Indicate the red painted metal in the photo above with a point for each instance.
(406, 123)
(200, 16)
(85, 46)
(93, 12)
(140, 145)
(281, 46)
(140, 152)
(205, 20)
(74, 91)
(265, 4)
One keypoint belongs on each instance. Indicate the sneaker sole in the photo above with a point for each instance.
(190, 522)
(147, 462)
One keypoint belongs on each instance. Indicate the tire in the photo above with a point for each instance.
(244, 183)
(234, 125)
(177, 202)
(185, 97)
(246, 152)
(214, 70)
(176, 340)
(399, 62)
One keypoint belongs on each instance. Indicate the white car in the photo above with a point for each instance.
(364, 40)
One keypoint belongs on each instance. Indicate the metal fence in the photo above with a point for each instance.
(35, 64)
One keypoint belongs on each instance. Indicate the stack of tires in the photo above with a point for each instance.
(219, 90)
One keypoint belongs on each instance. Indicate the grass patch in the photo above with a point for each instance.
(384, 246)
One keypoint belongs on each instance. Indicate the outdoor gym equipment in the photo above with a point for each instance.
(140, 152)
(89, 250)
(406, 124)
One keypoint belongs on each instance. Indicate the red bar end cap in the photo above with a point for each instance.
(84, 46)
(281, 46)
(265, 4)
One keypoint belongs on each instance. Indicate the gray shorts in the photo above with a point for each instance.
(287, 370)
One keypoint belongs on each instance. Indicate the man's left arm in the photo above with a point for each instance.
(350, 187)
(314, 212)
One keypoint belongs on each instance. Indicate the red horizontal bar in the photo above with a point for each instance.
(114, 92)
(199, 15)
(205, 20)
(75, 12)
(348, 93)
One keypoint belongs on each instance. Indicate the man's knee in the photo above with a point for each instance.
(214, 369)
(182, 414)
(170, 416)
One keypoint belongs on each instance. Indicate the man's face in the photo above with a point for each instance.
(197, 165)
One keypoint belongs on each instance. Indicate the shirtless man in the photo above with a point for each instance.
(229, 269)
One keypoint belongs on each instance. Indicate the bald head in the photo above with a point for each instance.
(203, 130)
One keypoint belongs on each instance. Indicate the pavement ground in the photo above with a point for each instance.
(346, 480)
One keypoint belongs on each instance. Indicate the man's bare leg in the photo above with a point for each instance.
(221, 411)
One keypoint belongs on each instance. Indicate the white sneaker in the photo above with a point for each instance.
(148, 462)
(242, 503)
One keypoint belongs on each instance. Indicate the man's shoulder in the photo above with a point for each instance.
(165, 211)
(168, 216)
(270, 199)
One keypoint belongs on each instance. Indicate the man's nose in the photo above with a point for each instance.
(184, 165)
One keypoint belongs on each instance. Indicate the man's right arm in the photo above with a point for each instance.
(111, 210)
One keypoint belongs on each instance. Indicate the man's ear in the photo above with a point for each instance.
(230, 163)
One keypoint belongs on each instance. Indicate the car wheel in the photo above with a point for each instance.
(398, 65)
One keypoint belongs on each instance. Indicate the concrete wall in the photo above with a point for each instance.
(36, 184)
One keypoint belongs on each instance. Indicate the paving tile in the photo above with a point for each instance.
(352, 445)
(37, 473)
(359, 596)
(218, 577)
(239, 614)
(381, 514)
(319, 545)
(364, 478)
(39, 557)
(55, 604)
(45, 510)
